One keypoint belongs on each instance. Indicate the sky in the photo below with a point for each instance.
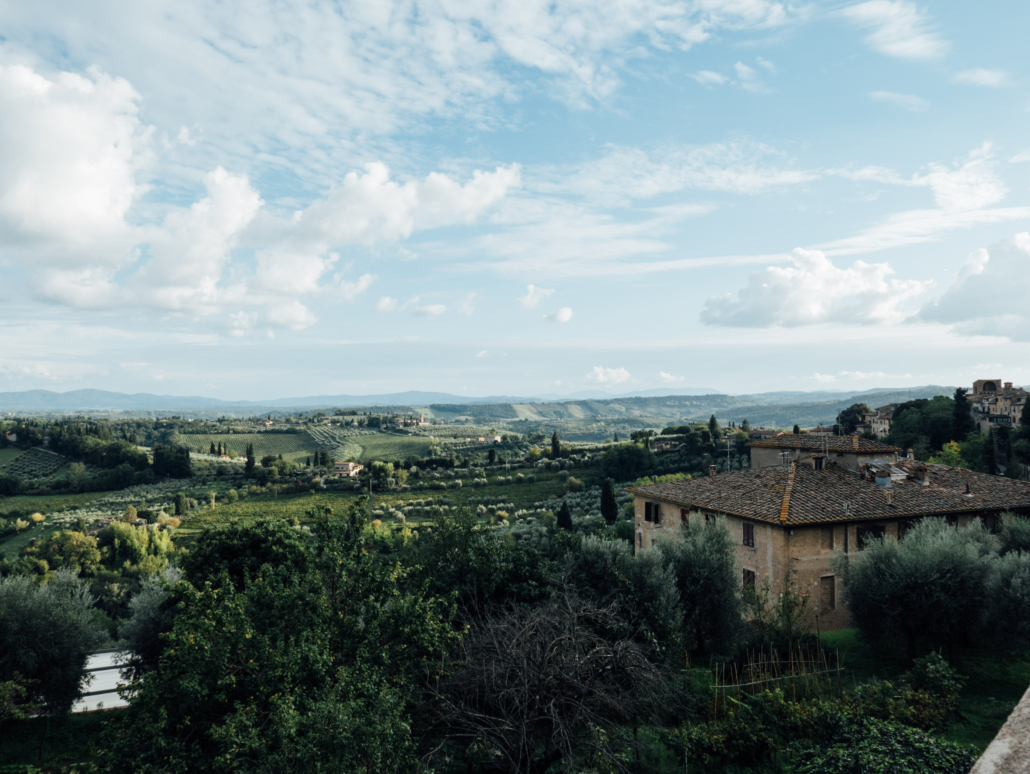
(261, 200)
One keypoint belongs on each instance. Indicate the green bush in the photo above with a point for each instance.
(873, 746)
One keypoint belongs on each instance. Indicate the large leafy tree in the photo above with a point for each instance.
(852, 416)
(302, 667)
(628, 462)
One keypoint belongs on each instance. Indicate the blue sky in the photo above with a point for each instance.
(255, 200)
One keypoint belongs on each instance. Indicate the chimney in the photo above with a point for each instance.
(910, 454)
(711, 471)
(968, 493)
(920, 474)
(883, 478)
(1008, 385)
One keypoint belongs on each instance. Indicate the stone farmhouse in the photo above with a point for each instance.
(789, 518)
(347, 469)
(995, 403)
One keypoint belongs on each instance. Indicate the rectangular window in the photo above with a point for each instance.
(869, 532)
(826, 542)
(749, 534)
(749, 578)
(683, 514)
(647, 512)
(904, 526)
(992, 522)
(656, 512)
(828, 593)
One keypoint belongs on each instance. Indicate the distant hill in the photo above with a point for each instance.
(775, 409)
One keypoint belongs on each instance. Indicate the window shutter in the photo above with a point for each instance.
(657, 513)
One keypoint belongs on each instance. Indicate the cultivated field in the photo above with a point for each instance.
(7, 455)
(35, 463)
(295, 447)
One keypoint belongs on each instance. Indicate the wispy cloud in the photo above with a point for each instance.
(431, 310)
(899, 29)
(991, 78)
(907, 102)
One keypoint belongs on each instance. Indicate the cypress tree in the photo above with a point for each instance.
(212, 447)
(962, 423)
(713, 428)
(249, 469)
(555, 446)
(565, 516)
(616, 437)
(609, 503)
(990, 456)
(797, 429)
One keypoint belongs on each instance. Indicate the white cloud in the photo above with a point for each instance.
(563, 315)
(907, 102)
(430, 310)
(766, 64)
(468, 305)
(669, 378)
(481, 353)
(709, 78)
(899, 29)
(608, 375)
(534, 296)
(813, 292)
(980, 77)
(989, 293)
(70, 151)
(386, 304)
(293, 315)
(1020, 158)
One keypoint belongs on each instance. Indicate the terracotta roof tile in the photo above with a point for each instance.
(834, 443)
(806, 496)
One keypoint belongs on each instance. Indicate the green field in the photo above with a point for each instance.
(47, 503)
(295, 447)
(383, 446)
(8, 454)
(35, 463)
(289, 506)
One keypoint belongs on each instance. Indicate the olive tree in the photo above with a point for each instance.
(704, 565)
(927, 590)
(46, 634)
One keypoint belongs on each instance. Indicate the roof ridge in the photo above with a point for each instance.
(785, 507)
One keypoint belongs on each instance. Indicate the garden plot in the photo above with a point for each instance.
(340, 443)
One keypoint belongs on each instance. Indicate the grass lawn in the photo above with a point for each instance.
(8, 454)
(67, 742)
(994, 686)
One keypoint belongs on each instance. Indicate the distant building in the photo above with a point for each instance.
(816, 451)
(347, 469)
(996, 403)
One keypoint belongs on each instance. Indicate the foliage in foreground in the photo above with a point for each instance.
(286, 669)
(46, 634)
